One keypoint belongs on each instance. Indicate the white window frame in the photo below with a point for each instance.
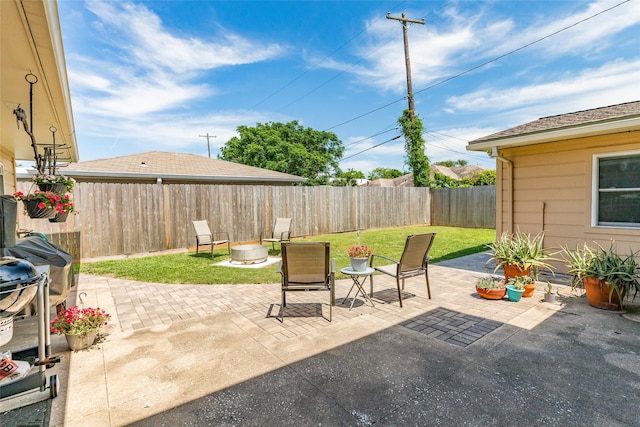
(595, 195)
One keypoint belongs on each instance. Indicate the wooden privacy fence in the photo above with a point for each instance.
(129, 218)
(472, 207)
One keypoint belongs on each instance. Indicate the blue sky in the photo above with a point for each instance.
(154, 75)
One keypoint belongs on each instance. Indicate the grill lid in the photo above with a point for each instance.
(15, 271)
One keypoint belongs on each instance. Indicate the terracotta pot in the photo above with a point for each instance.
(491, 293)
(512, 270)
(598, 294)
(528, 289)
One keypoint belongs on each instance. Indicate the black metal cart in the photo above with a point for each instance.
(20, 281)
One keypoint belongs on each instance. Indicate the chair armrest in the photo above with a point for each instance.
(223, 233)
(381, 256)
(287, 233)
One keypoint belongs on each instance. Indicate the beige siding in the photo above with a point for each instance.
(7, 161)
(552, 190)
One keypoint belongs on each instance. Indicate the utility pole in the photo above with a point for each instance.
(208, 145)
(405, 26)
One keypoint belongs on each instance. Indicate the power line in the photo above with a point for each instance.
(371, 148)
(481, 65)
(349, 68)
(299, 76)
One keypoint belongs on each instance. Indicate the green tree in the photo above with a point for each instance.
(387, 173)
(414, 145)
(452, 163)
(348, 178)
(286, 147)
(487, 177)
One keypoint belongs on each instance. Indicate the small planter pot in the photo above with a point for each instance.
(77, 342)
(60, 217)
(31, 206)
(598, 294)
(549, 297)
(494, 294)
(359, 264)
(514, 294)
(528, 289)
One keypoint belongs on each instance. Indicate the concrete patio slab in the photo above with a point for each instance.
(218, 355)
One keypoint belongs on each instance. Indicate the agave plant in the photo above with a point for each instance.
(620, 271)
(522, 250)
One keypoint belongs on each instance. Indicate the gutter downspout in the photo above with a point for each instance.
(496, 155)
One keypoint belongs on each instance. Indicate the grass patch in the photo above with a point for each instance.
(450, 242)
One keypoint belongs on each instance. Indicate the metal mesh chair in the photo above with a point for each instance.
(281, 232)
(413, 262)
(306, 267)
(204, 236)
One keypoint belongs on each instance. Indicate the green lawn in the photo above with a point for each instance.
(450, 242)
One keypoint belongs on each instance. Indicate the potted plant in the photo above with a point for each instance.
(606, 276)
(549, 296)
(490, 288)
(359, 256)
(80, 326)
(63, 209)
(515, 287)
(39, 204)
(57, 183)
(519, 254)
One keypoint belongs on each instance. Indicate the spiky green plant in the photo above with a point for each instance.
(522, 250)
(621, 272)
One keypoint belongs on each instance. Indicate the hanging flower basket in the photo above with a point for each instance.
(57, 187)
(59, 184)
(60, 217)
(36, 209)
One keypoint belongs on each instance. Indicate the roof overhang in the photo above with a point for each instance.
(31, 42)
(561, 134)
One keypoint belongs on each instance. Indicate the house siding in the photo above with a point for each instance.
(552, 191)
(9, 173)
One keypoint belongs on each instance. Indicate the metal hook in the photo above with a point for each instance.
(31, 76)
(80, 297)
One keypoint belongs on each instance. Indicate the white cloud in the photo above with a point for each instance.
(151, 45)
(468, 37)
(606, 85)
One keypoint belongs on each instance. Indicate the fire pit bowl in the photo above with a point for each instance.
(249, 254)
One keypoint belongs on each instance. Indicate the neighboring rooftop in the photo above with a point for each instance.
(454, 172)
(174, 167)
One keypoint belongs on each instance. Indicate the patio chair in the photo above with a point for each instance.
(281, 232)
(413, 261)
(306, 267)
(204, 236)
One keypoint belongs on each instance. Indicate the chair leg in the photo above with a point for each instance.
(426, 276)
(282, 306)
(370, 286)
(399, 293)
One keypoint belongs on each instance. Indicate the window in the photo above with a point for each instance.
(617, 182)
